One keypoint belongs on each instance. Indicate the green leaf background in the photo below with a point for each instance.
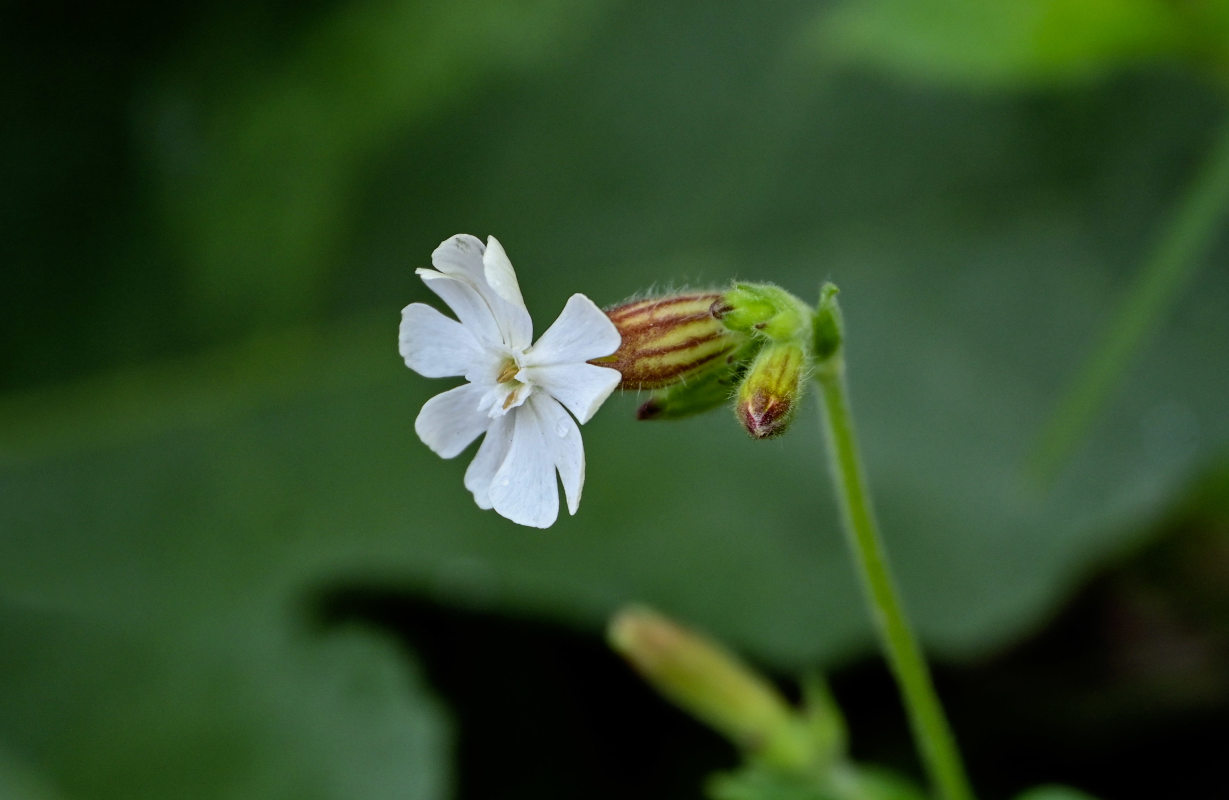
(205, 421)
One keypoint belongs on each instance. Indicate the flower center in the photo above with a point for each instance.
(508, 392)
(508, 373)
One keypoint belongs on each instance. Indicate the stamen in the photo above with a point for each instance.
(508, 372)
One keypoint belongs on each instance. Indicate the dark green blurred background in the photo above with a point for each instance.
(228, 568)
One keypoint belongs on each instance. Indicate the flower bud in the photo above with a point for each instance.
(695, 396)
(770, 393)
(711, 684)
(669, 340)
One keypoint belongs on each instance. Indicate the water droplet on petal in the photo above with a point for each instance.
(562, 429)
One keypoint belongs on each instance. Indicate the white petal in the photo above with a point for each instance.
(524, 488)
(448, 422)
(491, 454)
(437, 347)
(504, 296)
(467, 303)
(462, 259)
(567, 450)
(581, 333)
(499, 273)
(460, 255)
(581, 387)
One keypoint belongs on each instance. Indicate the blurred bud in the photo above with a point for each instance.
(844, 781)
(824, 717)
(669, 340)
(828, 325)
(711, 684)
(770, 393)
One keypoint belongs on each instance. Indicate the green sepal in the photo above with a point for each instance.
(827, 324)
(765, 311)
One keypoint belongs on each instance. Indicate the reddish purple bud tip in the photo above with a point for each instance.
(769, 394)
(765, 416)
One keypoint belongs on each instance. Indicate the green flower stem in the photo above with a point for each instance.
(1177, 256)
(930, 728)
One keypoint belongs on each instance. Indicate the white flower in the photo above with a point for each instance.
(516, 391)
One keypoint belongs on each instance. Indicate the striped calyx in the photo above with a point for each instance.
(695, 351)
(672, 340)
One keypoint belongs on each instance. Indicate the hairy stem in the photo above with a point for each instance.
(934, 737)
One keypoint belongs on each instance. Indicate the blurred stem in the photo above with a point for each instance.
(1184, 242)
(930, 728)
